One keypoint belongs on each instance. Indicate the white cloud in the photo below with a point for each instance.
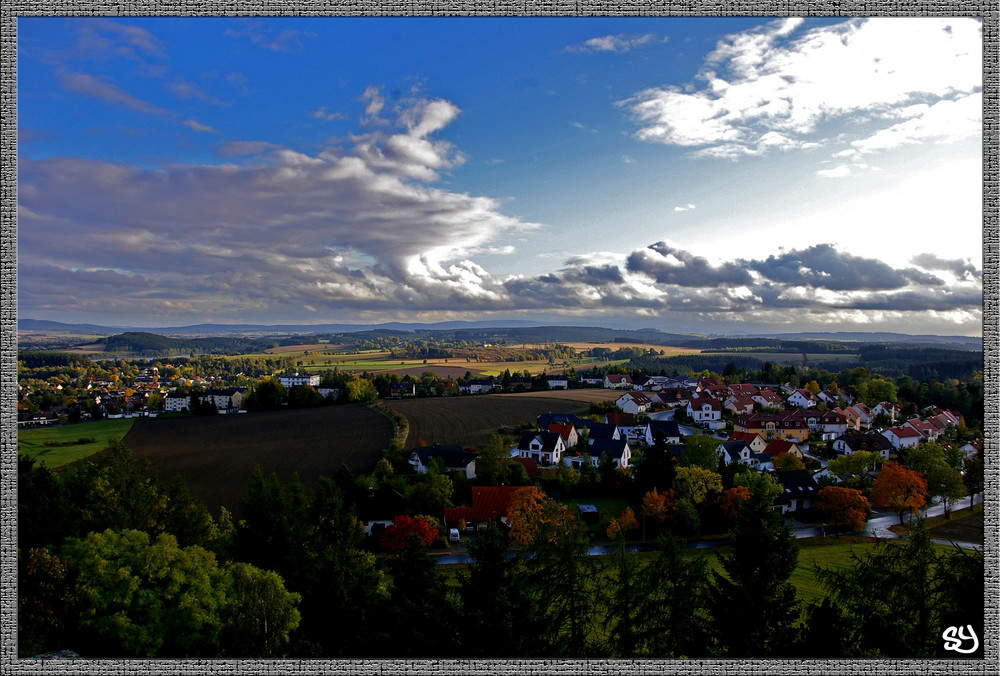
(689, 207)
(613, 43)
(767, 89)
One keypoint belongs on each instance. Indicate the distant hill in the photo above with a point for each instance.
(952, 342)
(142, 343)
(513, 331)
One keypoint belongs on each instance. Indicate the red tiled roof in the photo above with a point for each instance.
(488, 502)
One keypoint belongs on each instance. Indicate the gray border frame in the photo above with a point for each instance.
(13, 9)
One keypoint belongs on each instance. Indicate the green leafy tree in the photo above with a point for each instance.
(143, 597)
(695, 483)
(267, 395)
(946, 482)
(494, 463)
(701, 450)
(258, 613)
(973, 476)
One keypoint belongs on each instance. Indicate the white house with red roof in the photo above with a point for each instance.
(902, 437)
(803, 399)
(617, 381)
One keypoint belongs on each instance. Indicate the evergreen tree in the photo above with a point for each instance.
(753, 605)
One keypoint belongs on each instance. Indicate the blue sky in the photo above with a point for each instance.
(695, 174)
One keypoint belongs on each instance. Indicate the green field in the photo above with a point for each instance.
(63, 444)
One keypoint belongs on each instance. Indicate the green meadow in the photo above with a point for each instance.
(62, 444)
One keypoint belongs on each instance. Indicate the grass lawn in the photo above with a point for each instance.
(63, 444)
(963, 526)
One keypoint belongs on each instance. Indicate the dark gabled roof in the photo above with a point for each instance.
(546, 419)
(548, 439)
(452, 454)
(668, 427)
(797, 483)
(613, 447)
(601, 431)
(869, 441)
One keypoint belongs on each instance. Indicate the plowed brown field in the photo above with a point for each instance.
(470, 420)
(217, 454)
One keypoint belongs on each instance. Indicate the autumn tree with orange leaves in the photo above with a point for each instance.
(843, 507)
(534, 518)
(732, 499)
(899, 489)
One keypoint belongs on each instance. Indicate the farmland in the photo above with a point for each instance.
(63, 444)
(217, 454)
(471, 420)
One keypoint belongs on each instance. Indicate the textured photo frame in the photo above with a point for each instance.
(987, 11)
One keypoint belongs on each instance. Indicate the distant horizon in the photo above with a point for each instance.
(483, 324)
(718, 175)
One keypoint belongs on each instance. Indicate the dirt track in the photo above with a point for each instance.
(217, 454)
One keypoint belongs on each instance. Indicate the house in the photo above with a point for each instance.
(768, 399)
(530, 466)
(477, 386)
(928, 430)
(520, 383)
(328, 392)
(803, 398)
(591, 379)
(557, 382)
(854, 441)
(743, 389)
(667, 428)
(625, 422)
(739, 404)
(707, 410)
(225, 399)
(456, 459)
(755, 441)
(547, 448)
(617, 449)
(634, 402)
(858, 417)
(773, 426)
(674, 396)
(176, 403)
(490, 504)
(296, 380)
(888, 409)
(781, 446)
(615, 381)
(832, 422)
(761, 462)
(599, 431)
(568, 433)
(546, 419)
(734, 451)
(400, 390)
(377, 510)
(798, 491)
(902, 437)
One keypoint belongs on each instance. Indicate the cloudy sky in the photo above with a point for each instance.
(708, 175)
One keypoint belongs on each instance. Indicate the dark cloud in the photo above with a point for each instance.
(669, 265)
(822, 266)
(961, 268)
